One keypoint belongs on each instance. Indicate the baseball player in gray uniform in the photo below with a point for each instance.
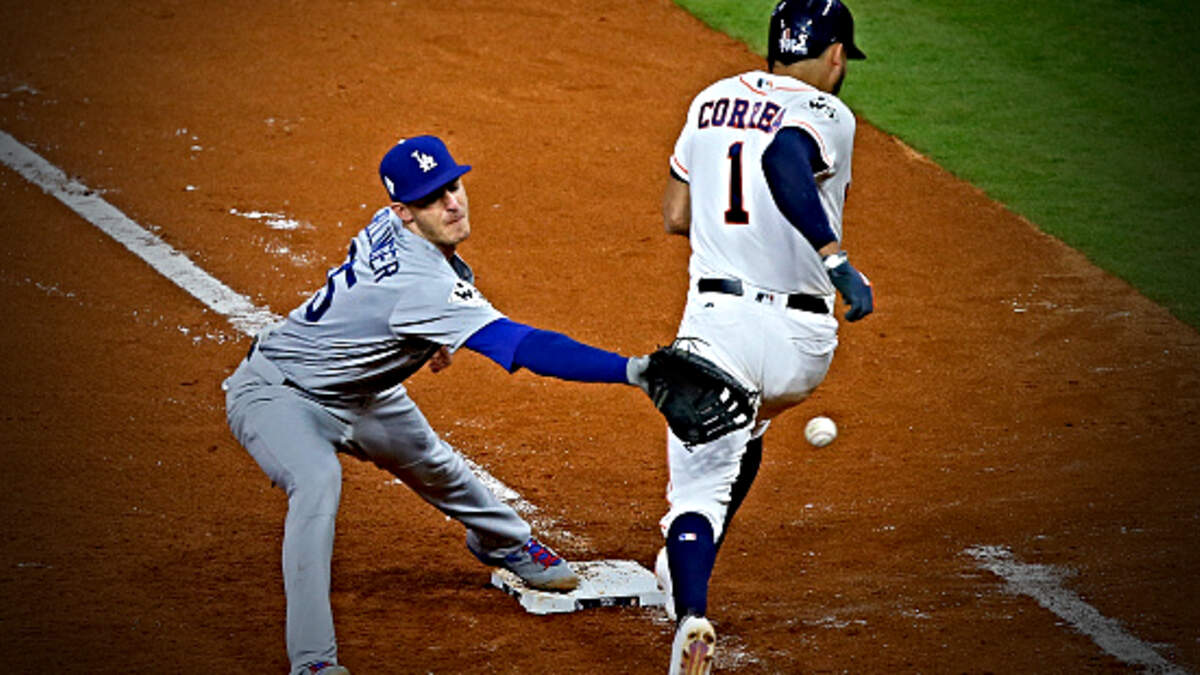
(329, 379)
(758, 179)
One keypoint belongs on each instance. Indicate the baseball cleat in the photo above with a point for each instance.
(541, 567)
(662, 574)
(535, 563)
(694, 647)
(325, 668)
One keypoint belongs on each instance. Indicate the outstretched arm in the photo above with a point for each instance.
(514, 345)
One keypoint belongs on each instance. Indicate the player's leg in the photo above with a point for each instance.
(797, 351)
(291, 439)
(709, 482)
(396, 436)
(789, 362)
(702, 480)
(750, 463)
(751, 460)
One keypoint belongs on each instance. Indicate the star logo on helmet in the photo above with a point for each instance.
(426, 162)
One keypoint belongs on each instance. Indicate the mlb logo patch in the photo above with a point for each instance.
(687, 536)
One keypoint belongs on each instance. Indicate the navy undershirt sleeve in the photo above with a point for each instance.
(514, 345)
(789, 164)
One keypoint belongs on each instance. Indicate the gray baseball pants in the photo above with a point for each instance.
(295, 439)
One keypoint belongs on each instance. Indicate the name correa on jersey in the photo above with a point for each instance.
(738, 113)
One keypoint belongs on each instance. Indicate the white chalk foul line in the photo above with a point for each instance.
(172, 264)
(243, 314)
(1043, 583)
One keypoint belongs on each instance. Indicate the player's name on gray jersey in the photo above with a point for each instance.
(381, 235)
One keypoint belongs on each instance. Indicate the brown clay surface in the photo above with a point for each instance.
(1005, 392)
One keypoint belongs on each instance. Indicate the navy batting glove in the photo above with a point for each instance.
(854, 286)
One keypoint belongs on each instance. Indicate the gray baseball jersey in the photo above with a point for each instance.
(329, 379)
(380, 316)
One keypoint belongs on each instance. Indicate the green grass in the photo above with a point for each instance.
(1082, 116)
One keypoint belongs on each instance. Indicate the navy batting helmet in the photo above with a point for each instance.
(802, 29)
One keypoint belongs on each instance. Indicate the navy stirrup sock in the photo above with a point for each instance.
(691, 554)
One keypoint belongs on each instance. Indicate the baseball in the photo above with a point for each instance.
(820, 431)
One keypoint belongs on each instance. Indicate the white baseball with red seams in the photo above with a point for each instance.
(820, 431)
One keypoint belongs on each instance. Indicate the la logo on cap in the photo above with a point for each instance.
(426, 162)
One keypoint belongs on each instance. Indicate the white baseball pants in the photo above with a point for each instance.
(782, 353)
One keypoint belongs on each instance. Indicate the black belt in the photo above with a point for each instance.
(800, 301)
(250, 353)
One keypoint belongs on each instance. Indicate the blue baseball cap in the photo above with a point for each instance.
(417, 166)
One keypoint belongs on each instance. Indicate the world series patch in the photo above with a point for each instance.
(466, 294)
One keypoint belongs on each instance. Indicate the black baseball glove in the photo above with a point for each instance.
(700, 401)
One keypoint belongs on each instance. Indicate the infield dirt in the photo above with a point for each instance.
(1005, 393)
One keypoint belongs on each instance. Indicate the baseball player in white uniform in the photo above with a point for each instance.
(758, 180)
(329, 379)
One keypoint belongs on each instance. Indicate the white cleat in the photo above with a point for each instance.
(662, 573)
(694, 647)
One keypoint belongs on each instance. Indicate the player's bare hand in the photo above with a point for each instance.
(440, 360)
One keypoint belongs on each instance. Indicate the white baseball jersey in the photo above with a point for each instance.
(737, 231)
(380, 316)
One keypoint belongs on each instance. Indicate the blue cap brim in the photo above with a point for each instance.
(434, 182)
